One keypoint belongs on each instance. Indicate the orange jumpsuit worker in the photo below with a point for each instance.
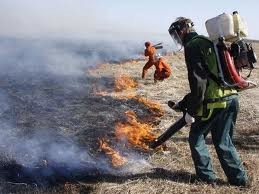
(150, 52)
(163, 70)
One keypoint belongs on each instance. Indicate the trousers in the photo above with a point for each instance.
(221, 125)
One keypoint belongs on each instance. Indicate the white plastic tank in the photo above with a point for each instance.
(220, 26)
(240, 27)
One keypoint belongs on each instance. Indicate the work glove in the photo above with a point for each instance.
(188, 118)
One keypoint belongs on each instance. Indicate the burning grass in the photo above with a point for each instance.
(154, 106)
(116, 159)
(124, 82)
(134, 132)
(122, 85)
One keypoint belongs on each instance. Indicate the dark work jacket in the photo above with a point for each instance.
(206, 94)
(197, 76)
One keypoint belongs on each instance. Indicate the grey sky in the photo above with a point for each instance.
(82, 18)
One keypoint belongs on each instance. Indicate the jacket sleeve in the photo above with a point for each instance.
(197, 77)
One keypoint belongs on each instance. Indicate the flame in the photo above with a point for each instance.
(136, 133)
(116, 159)
(155, 106)
(121, 83)
(124, 82)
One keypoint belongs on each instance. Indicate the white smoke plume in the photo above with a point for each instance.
(46, 102)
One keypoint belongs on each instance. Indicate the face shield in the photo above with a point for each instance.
(177, 41)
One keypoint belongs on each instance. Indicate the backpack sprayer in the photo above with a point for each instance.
(233, 54)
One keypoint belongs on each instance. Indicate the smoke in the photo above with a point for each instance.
(60, 57)
(46, 101)
(31, 149)
(47, 110)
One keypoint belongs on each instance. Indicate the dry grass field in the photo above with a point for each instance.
(117, 98)
(172, 171)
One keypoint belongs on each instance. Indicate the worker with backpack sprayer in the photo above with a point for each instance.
(211, 106)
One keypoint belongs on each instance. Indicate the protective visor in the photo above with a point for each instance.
(178, 45)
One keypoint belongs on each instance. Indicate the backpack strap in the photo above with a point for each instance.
(214, 78)
(210, 74)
